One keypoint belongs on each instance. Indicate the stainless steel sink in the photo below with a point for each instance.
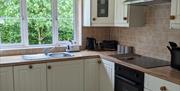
(35, 56)
(44, 56)
(60, 55)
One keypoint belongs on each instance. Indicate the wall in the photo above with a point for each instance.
(98, 33)
(152, 39)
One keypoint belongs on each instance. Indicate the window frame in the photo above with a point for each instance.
(77, 26)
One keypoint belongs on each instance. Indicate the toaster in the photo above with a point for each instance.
(109, 45)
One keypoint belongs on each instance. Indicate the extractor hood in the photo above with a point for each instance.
(145, 2)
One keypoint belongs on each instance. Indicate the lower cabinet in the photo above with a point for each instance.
(91, 70)
(106, 76)
(76, 75)
(146, 89)
(30, 77)
(65, 76)
(6, 79)
(156, 84)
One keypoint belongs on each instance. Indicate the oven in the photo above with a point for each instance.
(127, 79)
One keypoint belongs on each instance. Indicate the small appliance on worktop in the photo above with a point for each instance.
(175, 55)
(105, 45)
(142, 61)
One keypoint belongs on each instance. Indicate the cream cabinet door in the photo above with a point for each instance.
(121, 13)
(128, 15)
(102, 12)
(146, 89)
(175, 14)
(6, 79)
(156, 84)
(106, 76)
(65, 76)
(91, 69)
(30, 77)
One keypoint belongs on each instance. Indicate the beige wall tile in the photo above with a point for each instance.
(152, 39)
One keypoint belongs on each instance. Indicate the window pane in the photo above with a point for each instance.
(9, 22)
(66, 19)
(39, 21)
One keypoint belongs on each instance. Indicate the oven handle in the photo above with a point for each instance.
(126, 80)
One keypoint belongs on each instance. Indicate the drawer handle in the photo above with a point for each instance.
(124, 18)
(94, 19)
(163, 88)
(172, 17)
(30, 66)
(99, 62)
(49, 67)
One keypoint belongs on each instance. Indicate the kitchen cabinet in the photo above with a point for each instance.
(98, 13)
(91, 69)
(30, 77)
(156, 84)
(112, 13)
(65, 76)
(106, 75)
(175, 14)
(146, 89)
(6, 79)
(128, 15)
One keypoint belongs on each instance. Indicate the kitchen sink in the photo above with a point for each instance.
(59, 55)
(44, 56)
(35, 56)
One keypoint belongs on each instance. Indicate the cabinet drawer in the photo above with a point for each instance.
(156, 84)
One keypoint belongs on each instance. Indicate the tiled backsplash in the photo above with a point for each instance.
(152, 39)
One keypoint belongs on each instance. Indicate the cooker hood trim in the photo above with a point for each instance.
(145, 2)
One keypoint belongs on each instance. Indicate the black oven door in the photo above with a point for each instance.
(123, 84)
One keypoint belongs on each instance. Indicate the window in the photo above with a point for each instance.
(39, 22)
(66, 20)
(9, 22)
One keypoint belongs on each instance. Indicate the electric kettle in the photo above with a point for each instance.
(175, 55)
(91, 43)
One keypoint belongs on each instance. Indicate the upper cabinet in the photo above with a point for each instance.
(98, 12)
(128, 15)
(175, 14)
(112, 13)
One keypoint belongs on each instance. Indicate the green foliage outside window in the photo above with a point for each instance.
(39, 15)
(9, 22)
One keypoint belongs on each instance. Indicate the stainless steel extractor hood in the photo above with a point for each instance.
(145, 2)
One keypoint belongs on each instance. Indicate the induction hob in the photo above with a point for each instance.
(142, 61)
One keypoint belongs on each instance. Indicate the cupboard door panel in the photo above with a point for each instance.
(102, 12)
(30, 77)
(65, 76)
(91, 67)
(155, 84)
(106, 76)
(6, 79)
(175, 14)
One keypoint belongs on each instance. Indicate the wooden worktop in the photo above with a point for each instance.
(166, 72)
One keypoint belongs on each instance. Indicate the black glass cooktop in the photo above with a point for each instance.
(142, 61)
